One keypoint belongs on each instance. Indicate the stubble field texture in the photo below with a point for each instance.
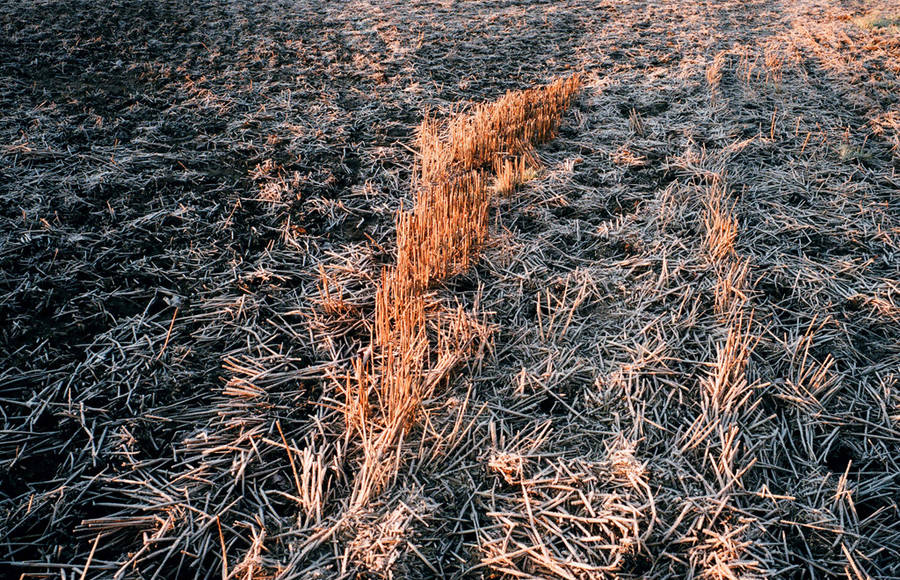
(432, 289)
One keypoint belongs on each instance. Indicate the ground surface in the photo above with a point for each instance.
(694, 348)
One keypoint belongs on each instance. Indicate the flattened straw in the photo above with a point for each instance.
(90, 557)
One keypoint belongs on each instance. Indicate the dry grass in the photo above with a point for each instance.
(437, 239)
(878, 21)
(282, 300)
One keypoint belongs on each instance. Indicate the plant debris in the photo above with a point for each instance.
(283, 294)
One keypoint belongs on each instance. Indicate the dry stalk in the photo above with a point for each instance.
(436, 240)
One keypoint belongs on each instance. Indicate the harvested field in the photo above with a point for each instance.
(423, 289)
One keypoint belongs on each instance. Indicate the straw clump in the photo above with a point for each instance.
(436, 240)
